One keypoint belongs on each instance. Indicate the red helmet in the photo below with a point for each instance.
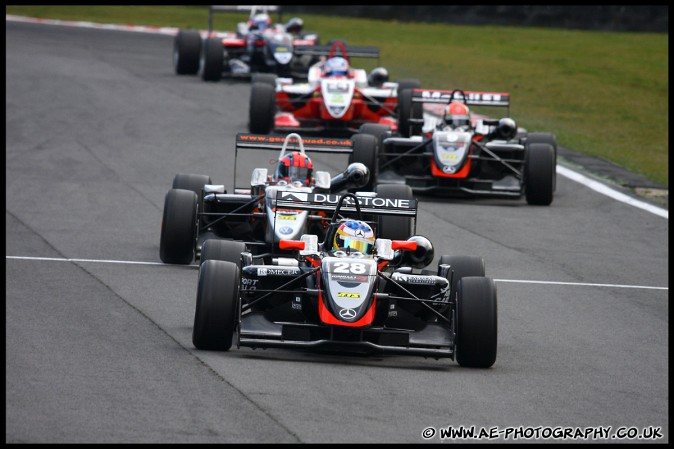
(457, 114)
(295, 166)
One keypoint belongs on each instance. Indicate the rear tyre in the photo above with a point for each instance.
(539, 170)
(262, 108)
(365, 148)
(216, 311)
(391, 227)
(462, 266)
(264, 78)
(224, 250)
(212, 59)
(186, 52)
(476, 335)
(178, 227)
(406, 111)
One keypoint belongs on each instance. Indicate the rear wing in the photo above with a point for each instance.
(254, 9)
(327, 202)
(275, 143)
(311, 144)
(346, 51)
(471, 98)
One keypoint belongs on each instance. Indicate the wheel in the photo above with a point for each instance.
(389, 226)
(551, 140)
(195, 183)
(408, 83)
(539, 170)
(212, 60)
(476, 322)
(178, 227)
(462, 266)
(406, 111)
(186, 51)
(365, 148)
(380, 132)
(262, 108)
(225, 250)
(264, 78)
(216, 311)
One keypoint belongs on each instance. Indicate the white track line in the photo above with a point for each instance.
(585, 284)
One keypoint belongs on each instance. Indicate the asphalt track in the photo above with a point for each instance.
(101, 352)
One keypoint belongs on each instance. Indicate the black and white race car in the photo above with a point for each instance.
(195, 209)
(349, 291)
(257, 46)
(474, 156)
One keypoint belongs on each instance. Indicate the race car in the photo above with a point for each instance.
(453, 151)
(195, 209)
(258, 45)
(336, 98)
(350, 291)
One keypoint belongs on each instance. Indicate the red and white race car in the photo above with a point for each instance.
(336, 97)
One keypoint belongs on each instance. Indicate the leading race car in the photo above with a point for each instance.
(258, 45)
(351, 291)
(468, 155)
(337, 98)
(196, 210)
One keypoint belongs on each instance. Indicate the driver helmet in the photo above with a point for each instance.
(260, 22)
(354, 235)
(293, 167)
(457, 114)
(337, 66)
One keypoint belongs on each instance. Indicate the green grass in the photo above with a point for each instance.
(603, 94)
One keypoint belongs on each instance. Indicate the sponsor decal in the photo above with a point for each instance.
(285, 230)
(280, 271)
(287, 217)
(307, 141)
(412, 279)
(348, 295)
(334, 199)
(470, 96)
(348, 278)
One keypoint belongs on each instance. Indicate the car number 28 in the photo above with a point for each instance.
(346, 267)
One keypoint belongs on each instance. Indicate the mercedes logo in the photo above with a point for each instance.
(347, 314)
(360, 233)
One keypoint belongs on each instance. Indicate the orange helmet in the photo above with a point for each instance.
(457, 114)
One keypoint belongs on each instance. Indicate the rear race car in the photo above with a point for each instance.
(379, 298)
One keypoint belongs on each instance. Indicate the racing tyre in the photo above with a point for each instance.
(406, 111)
(462, 266)
(186, 51)
(262, 108)
(408, 83)
(476, 321)
(392, 227)
(212, 60)
(549, 139)
(365, 148)
(195, 183)
(264, 78)
(178, 227)
(224, 250)
(539, 170)
(217, 300)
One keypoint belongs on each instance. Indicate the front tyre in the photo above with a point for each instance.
(216, 309)
(178, 227)
(476, 335)
(212, 60)
(462, 266)
(539, 171)
(224, 250)
(365, 148)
